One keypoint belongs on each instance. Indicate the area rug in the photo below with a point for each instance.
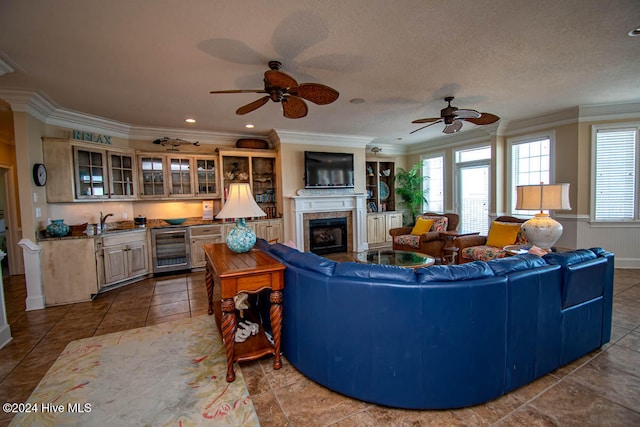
(170, 374)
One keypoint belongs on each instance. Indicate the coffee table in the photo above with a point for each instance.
(395, 257)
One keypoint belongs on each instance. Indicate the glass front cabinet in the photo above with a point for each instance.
(173, 176)
(103, 174)
(258, 168)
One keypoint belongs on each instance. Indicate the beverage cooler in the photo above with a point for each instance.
(171, 250)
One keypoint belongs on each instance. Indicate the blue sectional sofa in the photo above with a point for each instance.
(442, 336)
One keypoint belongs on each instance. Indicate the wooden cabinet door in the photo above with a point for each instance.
(152, 176)
(115, 264)
(137, 259)
(197, 253)
(90, 173)
(375, 228)
(122, 175)
(394, 220)
(180, 176)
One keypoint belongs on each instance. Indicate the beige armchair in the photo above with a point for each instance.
(430, 243)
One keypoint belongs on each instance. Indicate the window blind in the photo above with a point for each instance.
(615, 197)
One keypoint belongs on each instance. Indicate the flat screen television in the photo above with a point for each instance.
(328, 170)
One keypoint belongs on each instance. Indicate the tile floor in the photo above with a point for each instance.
(600, 389)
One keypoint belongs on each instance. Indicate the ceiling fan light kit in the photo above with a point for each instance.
(281, 87)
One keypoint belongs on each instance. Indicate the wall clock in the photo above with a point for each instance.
(39, 174)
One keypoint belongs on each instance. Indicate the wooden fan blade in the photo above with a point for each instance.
(239, 91)
(453, 127)
(252, 106)
(430, 124)
(315, 92)
(430, 119)
(279, 79)
(467, 114)
(484, 119)
(294, 107)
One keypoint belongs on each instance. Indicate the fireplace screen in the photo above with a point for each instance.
(328, 235)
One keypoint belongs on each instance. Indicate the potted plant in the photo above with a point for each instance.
(409, 189)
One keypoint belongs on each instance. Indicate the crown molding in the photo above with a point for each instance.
(544, 121)
(82, 121)
(326, 139)
(28, 101)
(7, 65)
(590, 113)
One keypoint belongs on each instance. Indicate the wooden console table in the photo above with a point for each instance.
(248, 272)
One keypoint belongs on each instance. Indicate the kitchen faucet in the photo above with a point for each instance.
(103, 219)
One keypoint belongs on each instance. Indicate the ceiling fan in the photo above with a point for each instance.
(283, 88)
(453, 117)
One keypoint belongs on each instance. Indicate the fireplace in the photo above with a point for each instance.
(328, 235)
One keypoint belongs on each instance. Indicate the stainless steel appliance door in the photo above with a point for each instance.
(171, 249)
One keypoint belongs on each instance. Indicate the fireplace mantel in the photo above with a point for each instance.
(322, 203)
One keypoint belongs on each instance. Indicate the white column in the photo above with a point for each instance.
(32, 274)
(5, 330)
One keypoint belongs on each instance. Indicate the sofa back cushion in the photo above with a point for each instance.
(375, 272)
(582, 275)
(512, 264)
(312, 262)
(282, 251)
(502, 234)
(452, 273)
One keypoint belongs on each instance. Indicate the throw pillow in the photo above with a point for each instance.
(502, 234)
(440, 223)
(422, 226)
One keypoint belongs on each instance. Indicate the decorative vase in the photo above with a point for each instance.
(241, 238)
(57, 228)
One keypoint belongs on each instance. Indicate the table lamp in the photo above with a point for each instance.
(542, 230)
(240, 205)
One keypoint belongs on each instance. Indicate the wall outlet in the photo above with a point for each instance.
(38, 212)
(124, 215)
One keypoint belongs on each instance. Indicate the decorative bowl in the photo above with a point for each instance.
(175, 221)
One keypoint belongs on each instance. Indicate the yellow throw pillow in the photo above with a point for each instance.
(422, 226)
(502, 234)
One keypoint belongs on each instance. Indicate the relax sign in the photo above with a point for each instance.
(91, 137)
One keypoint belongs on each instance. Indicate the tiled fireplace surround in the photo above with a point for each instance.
(306, 207)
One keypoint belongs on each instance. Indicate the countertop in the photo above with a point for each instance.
(115, 227)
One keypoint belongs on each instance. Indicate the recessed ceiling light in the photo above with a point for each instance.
(357, 101)
(249, 126)
(190, 120)
(634, 33)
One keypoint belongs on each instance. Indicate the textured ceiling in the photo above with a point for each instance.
(153, 62)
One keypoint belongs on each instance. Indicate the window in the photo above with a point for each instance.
(530, 165)
(615, 165)
(473, 167)
(433, 173)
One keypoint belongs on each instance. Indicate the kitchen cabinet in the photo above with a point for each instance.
(206, 177)
(177, 176)
(378, 226)
(258, 168)
(82, 171)
(165, 176)
(380, 185)
(200, 235)
(125, 256)
(69, 270)
(270, 230)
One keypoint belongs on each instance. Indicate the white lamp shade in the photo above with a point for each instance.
(240, 203)
(543, 197)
